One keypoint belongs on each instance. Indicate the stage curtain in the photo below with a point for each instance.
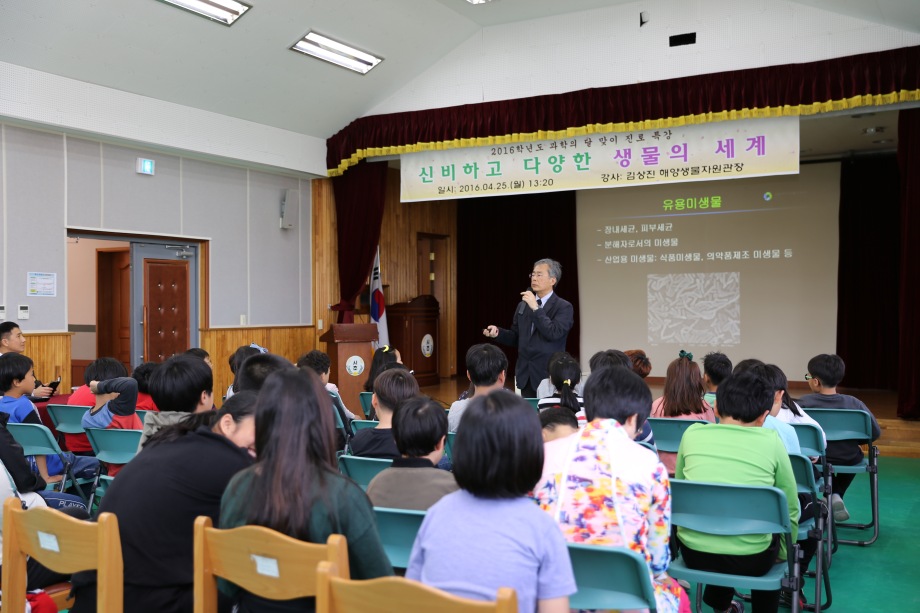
(500, 239)
(868, 271)
(909, 162)
(359, 199)
(884, 77)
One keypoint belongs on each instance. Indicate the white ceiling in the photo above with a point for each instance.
(247, 71)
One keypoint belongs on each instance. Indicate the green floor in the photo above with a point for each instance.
(882, 576)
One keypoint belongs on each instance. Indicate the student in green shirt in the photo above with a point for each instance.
(739, 451)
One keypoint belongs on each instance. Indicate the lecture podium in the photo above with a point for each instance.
(350, 348)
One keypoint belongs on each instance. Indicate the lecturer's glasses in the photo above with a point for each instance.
(536, 275)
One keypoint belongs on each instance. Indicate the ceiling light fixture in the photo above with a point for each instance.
(335, 52)
(221, 11)
(478, 1)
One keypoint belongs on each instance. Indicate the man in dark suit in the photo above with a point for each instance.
(540, 327)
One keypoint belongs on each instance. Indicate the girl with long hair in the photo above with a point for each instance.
(294, 486)
(384, 356)
(565, 374)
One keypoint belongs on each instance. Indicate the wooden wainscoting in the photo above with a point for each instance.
(288, 341)
(50, 351)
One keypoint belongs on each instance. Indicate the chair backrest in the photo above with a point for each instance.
(534, 402)
(141, 414)
(113, 445)
(35, 439)
(810, 439)
(610, 578)
(669, 431)
(67, 418)
(259, 560)
(362, 470)
(366, 405)
(63, 544)
(398, 529)
(723, 509)
(843, 424)
(362, 424)
(338, 595)
(449, 446)
(804, 472)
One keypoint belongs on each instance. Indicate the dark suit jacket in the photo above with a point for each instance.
(551, 325)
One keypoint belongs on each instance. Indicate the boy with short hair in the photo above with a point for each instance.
(319, 362)
(737, 450)
(716, 368)
(17, 381)
(115, 407)
(13, 341)
(486, 368)
(391, 388)
(180, 386)
(413, 482)
(825, 371)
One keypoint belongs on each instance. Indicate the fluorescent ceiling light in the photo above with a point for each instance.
(222, 11)
(338, 53)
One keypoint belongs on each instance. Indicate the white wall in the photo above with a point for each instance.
(606, 47)
(51, 183)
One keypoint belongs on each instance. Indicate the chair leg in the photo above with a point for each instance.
(699, 598)
(872, 469)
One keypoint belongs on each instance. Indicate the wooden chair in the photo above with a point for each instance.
(261, 561)
(727, 510)
(335, 594)
(65, 545)
(610, 578)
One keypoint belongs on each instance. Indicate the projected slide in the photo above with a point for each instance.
(746, 266)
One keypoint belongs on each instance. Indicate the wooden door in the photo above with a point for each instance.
(113, 305)
(433, 279)
(166, 308)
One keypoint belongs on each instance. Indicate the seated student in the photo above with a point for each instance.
(201, 354)
(682, 399)
(716, 368)
(413, 482)
(546, 388)
(392, 387)
(181, 473)
(256, 369)
(141, 374)
(295, 488)
(383, 356)
(603, 488)
(490, 534)
(790, 412)
(639, 362)
(557, 424)
(486, 368)
(114, 408)
(17, 380)
(564, 373)
(737, 451)
(771, 377)
(825, 371)
(616, 358)
(236, 360)
(320, 363)
(13, 341)
(98, 370)
(184, 368)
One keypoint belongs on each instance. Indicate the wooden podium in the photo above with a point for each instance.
(413, 328)
(350, 351)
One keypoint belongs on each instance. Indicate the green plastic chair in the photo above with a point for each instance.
(362, 470)
(366, 406)
(141, 415)
(398, 529)
(610, 578)
(816, 527)
(449, 446)
(362, 424)
(730, 510)
(856, 427)
(67, 418)
(534, 402)
(669, 431)
(113, 446)
(38, 440)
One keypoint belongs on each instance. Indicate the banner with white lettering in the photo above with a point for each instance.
(704, 152)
